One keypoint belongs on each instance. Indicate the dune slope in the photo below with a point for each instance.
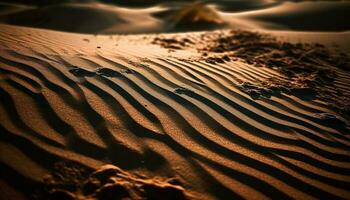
(70, 103)
(301, 15)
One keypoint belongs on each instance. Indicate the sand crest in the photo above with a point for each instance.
(171, 122)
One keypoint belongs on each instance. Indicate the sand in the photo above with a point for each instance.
(300, 15)
(246, 112)
(156, 16)
(83, 101)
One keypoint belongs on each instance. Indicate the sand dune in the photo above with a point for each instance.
(304, 16)
(72, 102)
(173, 16)
(238, 4)
(87, 18)
(93, 17)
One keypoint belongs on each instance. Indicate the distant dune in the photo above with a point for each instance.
(86, 18)
(304, 16)
(99, 18)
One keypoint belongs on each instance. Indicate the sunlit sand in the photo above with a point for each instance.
(174, 101)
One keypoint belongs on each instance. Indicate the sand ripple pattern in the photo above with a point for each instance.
(169, 117)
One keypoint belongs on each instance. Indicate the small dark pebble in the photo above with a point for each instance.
(214, 60)
(226, 58)
(186, 40)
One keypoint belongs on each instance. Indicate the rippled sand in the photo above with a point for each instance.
(225, 114)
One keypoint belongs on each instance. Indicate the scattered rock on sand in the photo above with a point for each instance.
(106, 72)
(307, 67)
(110, 182)
(255, 91)
(173, 43)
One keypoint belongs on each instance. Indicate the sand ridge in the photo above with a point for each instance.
(95, 100)
(157, 16)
